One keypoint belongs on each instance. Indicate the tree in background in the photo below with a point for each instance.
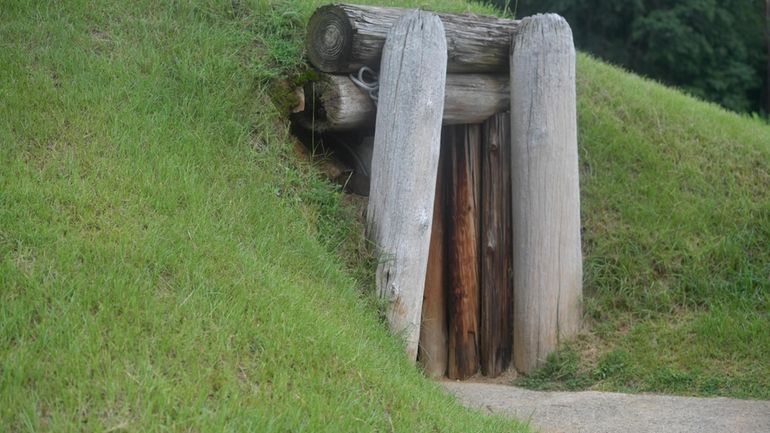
(717, 50)
(767, 37)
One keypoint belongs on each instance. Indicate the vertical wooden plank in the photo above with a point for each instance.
(404, 163)
(464, 144)
(547, 260)
(433, 334)
(496, 294)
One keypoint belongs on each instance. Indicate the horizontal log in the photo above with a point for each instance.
(334, 103)
(343, 38)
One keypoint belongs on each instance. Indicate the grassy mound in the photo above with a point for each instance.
(166, 262)
(164, 258)
(676, 229)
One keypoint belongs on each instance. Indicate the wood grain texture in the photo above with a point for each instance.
(343, 38)
(404, 165)
(433, 332)
(334, 103)
(496, 338)
(547, 260)
(464, 143)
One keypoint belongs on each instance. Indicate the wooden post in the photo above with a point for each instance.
(547, 261)
(496, 292)
(464, 143)
(343, 38)
(433, 332)
(404, 164)
(334, 103)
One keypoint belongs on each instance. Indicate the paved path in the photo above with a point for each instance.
(605, 412)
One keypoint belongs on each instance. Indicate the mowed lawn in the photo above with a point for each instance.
(165, 259)
(168, 264)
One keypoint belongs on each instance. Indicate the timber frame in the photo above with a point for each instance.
(474, 200)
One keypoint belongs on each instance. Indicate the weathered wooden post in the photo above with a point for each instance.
(464, 147)
(496, 294)
(547, 260)
(433, 331)
(404, 165)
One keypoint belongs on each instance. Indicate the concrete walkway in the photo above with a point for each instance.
(605, 412)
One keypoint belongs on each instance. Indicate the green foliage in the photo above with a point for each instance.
(712, 49)
(613, 363)
(561, 372)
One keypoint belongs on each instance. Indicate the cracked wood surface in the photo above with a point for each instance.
(496, 291)
(547, 260)
(404, 165)
(334, 103)
(464, 145)
(343, 38)
(433, 332)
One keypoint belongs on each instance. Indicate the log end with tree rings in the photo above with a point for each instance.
(342, 38)
(329, 38)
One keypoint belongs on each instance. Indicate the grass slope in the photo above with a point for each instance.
(160, 262)
(165, 264)
(676, 229)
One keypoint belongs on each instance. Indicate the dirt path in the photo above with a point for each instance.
(605, 412)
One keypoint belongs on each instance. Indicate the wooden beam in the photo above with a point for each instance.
(547, 260)
(404, 165)
(496, 292)
(343, 38)
(433, 333)
(464, 146)
(334, 103)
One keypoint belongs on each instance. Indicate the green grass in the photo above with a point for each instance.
(165, 259)
(168, 264)
(676, 234)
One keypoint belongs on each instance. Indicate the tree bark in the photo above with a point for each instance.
(433, 334)
(496, 293)
(547, 260)
(343, 38)
(334, 103)
(464, 146)
(404, 164)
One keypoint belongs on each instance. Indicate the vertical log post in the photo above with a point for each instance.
(464, 142)
(433, 331)
(547, 261)
(404, 164)
(496, 293)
